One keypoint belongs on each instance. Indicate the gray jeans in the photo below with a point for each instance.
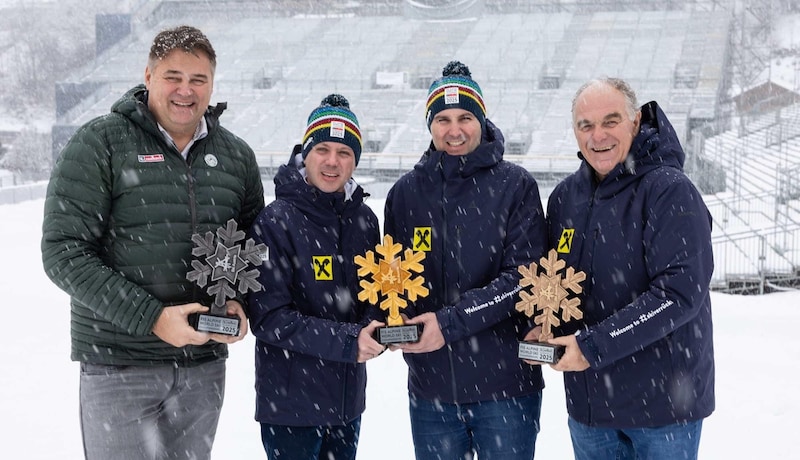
(150, 413)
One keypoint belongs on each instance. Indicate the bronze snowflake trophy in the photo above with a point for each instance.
(391, 279)
(225, 262)
(547, 298)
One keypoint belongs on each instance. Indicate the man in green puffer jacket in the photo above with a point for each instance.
(127, 193)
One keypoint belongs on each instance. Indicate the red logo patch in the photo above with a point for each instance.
(154, 158)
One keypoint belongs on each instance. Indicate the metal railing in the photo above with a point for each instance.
(547, 169)
(757, 221)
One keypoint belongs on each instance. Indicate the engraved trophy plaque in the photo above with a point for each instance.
(223, 267)
(549, 301)
(391, 278)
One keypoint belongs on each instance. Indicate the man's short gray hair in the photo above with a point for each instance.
(620, 85)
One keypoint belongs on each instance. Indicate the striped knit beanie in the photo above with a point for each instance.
(455, 90)
(333, 121)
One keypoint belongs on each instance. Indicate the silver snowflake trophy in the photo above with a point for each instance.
(222, 265)
(548, 302)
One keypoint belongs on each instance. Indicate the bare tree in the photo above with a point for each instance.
(29, 156)
(43, 43)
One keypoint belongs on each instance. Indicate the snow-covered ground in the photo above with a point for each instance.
(757, 351)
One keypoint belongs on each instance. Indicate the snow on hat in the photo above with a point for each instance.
(455, 90)
(333, 121)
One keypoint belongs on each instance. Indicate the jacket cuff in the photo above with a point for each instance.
(350, 346)
(444, 317)
(589, 348)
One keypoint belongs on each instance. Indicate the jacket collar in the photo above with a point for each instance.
(488, 153)
(291, 186)
(133, 105)
(655, 145)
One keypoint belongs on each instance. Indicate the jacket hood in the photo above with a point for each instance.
(487, 154)
(133, 105)
(656, 145)
(291, 186)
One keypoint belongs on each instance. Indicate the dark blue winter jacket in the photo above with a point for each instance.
(477, 218)
(643, 237)
(307, 318)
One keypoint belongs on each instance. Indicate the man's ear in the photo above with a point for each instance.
(147, 76)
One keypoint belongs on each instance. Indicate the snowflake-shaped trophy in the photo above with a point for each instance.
(549, 296)
(391, 279)
(225, 262)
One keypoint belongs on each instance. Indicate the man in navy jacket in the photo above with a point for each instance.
(639, 368)
(312, 333)
(477, 218)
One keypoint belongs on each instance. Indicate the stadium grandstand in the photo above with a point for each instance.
(277, 59)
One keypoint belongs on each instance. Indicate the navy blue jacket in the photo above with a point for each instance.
(307, 318)
(643, 237)
(478, 218)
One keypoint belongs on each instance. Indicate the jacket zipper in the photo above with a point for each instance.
(193, 213)
(445, 228)
(594, 245)
(340, 256)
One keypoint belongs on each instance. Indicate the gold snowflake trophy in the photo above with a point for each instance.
(548, 300)
(391, 280)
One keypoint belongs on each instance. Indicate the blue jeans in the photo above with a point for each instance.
(671, 442)
(338, 442)
(495, 430)
(150, 412)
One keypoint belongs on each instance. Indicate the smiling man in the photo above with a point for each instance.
(478, 217)
(604, 127)
(179, 84)
(639, 367)
(125, 197)
(313, 335)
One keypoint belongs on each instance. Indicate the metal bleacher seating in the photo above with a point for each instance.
(274, 69)
(757, 217)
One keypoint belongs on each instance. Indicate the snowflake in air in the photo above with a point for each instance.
(391, 277)
(225, 262)
(549, 295)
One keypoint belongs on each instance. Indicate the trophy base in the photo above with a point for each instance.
(540, 351)
(398, 334)
(226, 325)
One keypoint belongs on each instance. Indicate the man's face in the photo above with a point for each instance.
(456, 131)
(329, 165)
(180, 88)
(603, 128)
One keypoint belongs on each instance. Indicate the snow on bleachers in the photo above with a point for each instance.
(757, 220)
(273, 70)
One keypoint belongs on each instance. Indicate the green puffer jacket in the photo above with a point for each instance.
(121, 207)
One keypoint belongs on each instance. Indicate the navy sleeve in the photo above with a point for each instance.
(274, 317)
(679, 264)
(483, 307)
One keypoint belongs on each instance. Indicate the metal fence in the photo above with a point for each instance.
(757, 219)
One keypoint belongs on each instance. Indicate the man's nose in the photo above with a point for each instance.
(330, 159)
(599, 134)
(453, 130)
(185, 89)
